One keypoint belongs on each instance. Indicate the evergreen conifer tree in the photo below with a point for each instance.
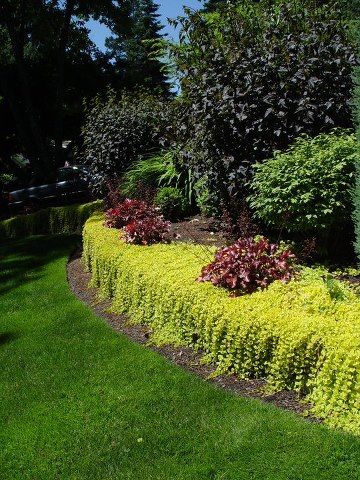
(132, 53)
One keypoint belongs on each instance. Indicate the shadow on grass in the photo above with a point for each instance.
(32, 255)
(8, 337)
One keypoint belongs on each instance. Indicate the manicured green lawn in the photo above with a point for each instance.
(78, 401)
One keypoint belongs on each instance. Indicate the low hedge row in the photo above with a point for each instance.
(50, 221)
(304, 335)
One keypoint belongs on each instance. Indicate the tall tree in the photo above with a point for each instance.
(350, 8)
(213, 5)
(133, 52)
(43, 42)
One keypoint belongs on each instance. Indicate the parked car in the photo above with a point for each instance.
(71, 186)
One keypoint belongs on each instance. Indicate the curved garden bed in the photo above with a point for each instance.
(302, 336)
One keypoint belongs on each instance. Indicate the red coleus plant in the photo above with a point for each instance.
(127, 212)
(147, 231)
(249, 265)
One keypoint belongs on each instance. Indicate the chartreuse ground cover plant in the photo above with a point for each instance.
(79, 401)
(303, 335)
(53, 220)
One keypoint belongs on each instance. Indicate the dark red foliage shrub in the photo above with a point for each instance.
(237, 221)
(249, 265)
(147, 231)
(113, 194)
(127, 212)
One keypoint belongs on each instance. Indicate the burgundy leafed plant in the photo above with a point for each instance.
(127, 212)
(249, 265)
(147, 231)
(113, 195)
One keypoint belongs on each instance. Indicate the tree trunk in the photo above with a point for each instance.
(59, 109)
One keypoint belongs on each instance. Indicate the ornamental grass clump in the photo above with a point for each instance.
(249, 265)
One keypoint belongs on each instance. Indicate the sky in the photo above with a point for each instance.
(167, 9)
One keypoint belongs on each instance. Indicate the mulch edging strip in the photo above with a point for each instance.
(185, 357)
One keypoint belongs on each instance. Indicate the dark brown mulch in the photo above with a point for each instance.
(198, 229)
(185, 357)
(352, 280)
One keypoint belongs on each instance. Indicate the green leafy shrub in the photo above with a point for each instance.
(49, 221)
(172, 203)
(255, 76)
(179, 175)
(204, 200)
(118, 130)
(5, 179)
(308, 188)
(303, 335)
(356, 193)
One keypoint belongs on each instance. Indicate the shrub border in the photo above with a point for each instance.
(295, 335)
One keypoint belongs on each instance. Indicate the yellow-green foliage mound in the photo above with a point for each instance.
(302, 336)
(52, 220)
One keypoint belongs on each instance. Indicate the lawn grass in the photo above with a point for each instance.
(78, 401)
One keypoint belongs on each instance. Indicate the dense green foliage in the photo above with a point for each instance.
(156, 171)
(80, 402)
(356, 193)
(307, 188)
(172, 203)
(118, 130)
(144, 174)
(304, 335)
(213, 5)
(53, 220)
(5, 181)
(254, 77)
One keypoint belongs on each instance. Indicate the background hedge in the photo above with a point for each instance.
(118, 130)
(50, 221)
(357, 186)
(304, 335)
(254, 76)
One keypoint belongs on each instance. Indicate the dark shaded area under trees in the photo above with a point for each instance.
(49, 65)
